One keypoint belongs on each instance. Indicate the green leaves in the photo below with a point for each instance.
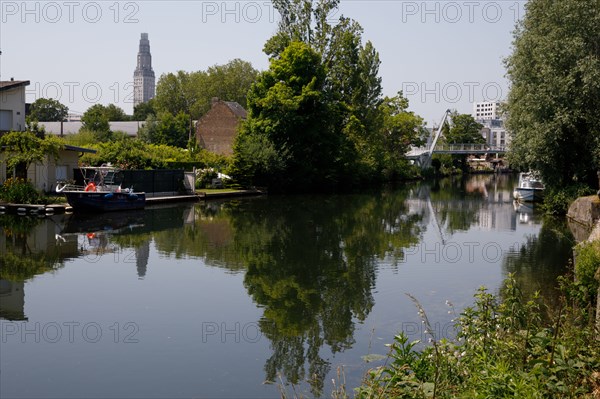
(47, 110)
(26, 148)
(191, 92)
(502, 349)
(464, 129)
(319, 108)
(555, 92)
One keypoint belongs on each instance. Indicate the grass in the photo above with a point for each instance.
(219, 190)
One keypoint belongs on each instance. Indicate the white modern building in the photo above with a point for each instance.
(144, 82)
(486, 110)
(12, 105)
(488, 113)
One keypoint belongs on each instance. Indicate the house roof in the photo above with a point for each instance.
(79, 149)
(237, 109)
(12, 84)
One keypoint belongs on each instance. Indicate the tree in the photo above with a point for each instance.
(400, 130)
(231, 82)
(464, 129)
(25, 148)
(167, 129)
(553, 103)
(96, 120)
(47, 110)
(115, 113)
(143, 110)
(287, 141)
(352, 86)
(191, 92)
(182, 92)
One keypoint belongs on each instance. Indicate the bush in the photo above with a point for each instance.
(586, 266)
(205, 177)
(502, 348)
(557, 201)
(20, 191)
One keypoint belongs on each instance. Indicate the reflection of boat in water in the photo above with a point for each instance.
(102, 191)
(113, 223)
(530, 188)
(525, 212)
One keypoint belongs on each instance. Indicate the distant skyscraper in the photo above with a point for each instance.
(143, 77)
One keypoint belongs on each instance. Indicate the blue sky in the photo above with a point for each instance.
(442, 54)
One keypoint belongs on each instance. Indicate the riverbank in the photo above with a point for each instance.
(58, 208)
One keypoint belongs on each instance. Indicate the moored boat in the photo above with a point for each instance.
(530, 188)
(102, 191)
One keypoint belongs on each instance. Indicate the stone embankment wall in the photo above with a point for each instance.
(585, 210)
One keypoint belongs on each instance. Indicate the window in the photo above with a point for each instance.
(61, 172)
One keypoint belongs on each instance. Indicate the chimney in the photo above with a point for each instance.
(213, 101)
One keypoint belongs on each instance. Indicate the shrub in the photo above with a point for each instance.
(502, 348)
(205, 177)
(20, 191)
(557, 201)
(586, 266)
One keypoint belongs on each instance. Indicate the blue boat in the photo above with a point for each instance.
(102, 191)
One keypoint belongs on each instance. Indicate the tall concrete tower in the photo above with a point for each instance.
(143, 77)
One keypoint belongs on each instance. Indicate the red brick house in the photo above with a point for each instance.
(216, 130)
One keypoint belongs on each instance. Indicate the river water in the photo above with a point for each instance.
(245, 298)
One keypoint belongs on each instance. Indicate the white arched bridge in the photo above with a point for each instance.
(422, 155)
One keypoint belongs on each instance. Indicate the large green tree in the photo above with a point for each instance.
(553, 103)
(143, 110)
(463, 129)
(399, 130)
(115, 113)
(167, 129)
(191, 92)
(352, 84)
(288, 142)
(95, 120)
(47, 110)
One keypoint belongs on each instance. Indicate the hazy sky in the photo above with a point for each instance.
(442, 54)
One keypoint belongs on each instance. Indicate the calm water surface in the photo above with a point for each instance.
(242, 298)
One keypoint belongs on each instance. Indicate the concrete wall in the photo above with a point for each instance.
(57, 128)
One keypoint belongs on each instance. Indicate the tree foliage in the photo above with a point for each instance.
(96, 120)
(47, 110)
(554, 100)
(143, 110)
(25, 148)
(167, 129)
(360, 138)
(463, 129)
(191, 92)
(288, 128)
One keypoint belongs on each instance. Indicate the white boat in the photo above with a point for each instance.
(530, 188)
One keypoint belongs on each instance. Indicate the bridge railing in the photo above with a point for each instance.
(456, 148)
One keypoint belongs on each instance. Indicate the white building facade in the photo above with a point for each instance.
(488, 113)
(12, 105)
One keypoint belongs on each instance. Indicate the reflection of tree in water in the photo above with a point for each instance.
(309, 262)
(19, 260)
(540, 260)
(455, 209)
(311, 265)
